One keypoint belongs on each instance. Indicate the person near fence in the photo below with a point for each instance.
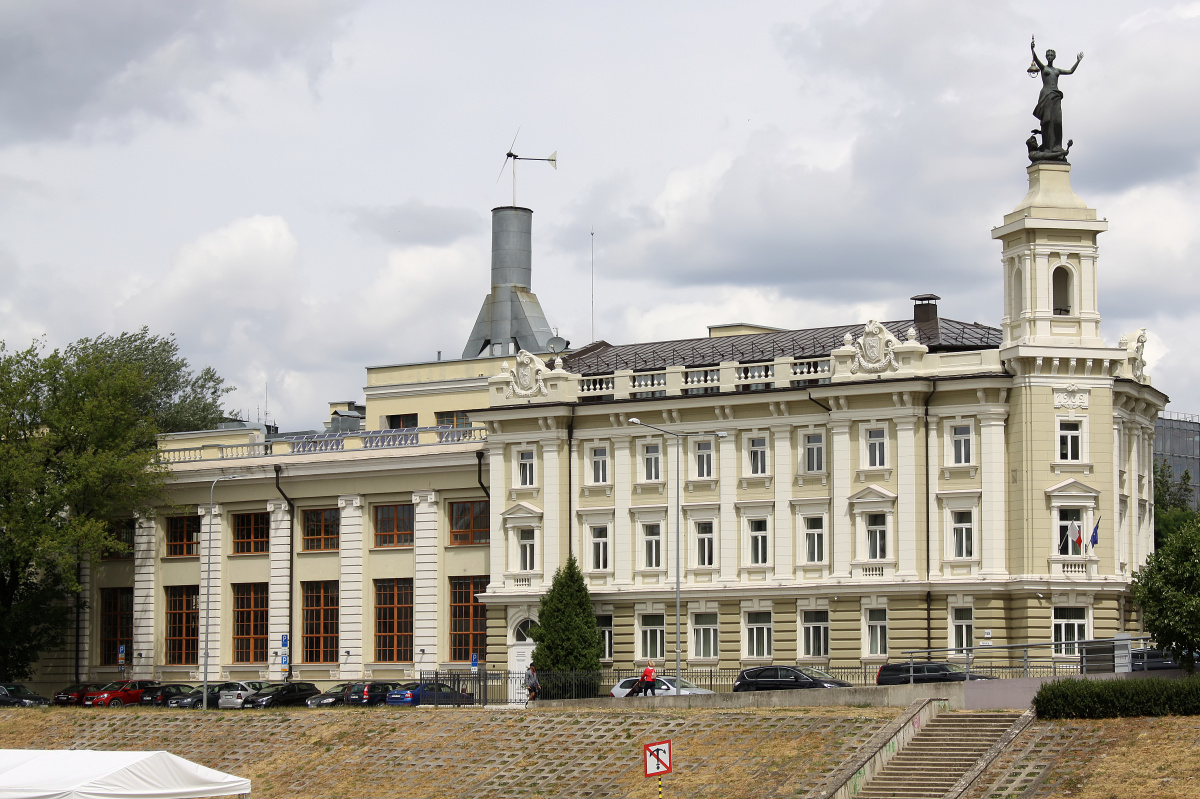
(531, 684)
(648, 680)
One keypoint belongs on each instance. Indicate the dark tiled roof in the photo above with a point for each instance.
(943, 335)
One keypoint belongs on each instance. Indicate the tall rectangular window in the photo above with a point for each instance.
(704, 632)
(816, 633)
(814, 539)
(251, 533)
(452, 419)
(877, 632)
(652, 462)
(654, 636)
(704, 460)
(183, 624)
(183, 535)
(470, 522)
(321, 615)
(758, 456)
(394, 620)
(652, 535)
(116, 624)
(250, 629)
(526, 475)
(526, 543)
(960, 436)
(758, 635)
(1070, 627)
(704, 544)
(964, 534)
(1070, 438)
(964, 629)
(605, 625)
(321, 529)
(600, 548)
(1070, 531)
(394, 525)
(758, 542)
(814, 452)
(122, 531)
(468, 618)
(599, 457)
(877, 448)
(876, 536)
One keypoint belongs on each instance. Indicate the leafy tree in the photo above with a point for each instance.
(1172, 502)
(566, 633)
(1167, 589)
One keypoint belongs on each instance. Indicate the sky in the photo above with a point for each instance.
(298, 189)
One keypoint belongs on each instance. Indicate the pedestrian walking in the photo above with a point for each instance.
(531, 684)
(648, 680)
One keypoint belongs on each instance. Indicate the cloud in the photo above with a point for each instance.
(414, 223)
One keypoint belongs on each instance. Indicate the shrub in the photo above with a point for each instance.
(1100, 699)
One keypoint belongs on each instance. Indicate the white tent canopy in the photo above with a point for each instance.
(86, 774)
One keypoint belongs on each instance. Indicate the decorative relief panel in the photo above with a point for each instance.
(874, 349)
(1071, 397)
(528, 378)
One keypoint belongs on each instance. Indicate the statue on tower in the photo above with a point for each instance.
(1048, 110)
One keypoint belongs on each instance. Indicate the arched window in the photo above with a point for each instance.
(1018, 294)
(1061, 283)
(521, 631)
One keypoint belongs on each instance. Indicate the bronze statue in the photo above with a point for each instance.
(1049, 110)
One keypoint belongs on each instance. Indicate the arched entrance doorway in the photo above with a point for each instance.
(520, 656)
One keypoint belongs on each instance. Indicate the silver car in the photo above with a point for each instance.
(663, 686)
(234, 694)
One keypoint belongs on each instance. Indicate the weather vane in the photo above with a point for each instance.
(552, 159)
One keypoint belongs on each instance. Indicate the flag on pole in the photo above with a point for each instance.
(1096, 534)
(1077, 528)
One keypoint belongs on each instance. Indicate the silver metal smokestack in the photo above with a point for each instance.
(511, 318)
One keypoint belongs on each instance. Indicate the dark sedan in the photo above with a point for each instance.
(282, 695)
(73, 694)
(17, 695)
(369, 693)
(159, 695)
(785, 678)
(332, 696)
(921, 672)
(194, 700)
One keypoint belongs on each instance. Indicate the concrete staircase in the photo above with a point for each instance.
(935, 759)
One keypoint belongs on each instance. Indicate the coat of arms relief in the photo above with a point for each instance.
(875, 349)
(527, 379)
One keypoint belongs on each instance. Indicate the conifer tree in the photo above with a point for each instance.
(566, 633)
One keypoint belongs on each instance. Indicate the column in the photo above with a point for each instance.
(622, 538)
(730, 536)
(145, 596)
(937, 546)
(906, 502)
(425, 579)
(211, 556)
(1118, 538)
(350, 587)
(840, 474)
(993, 521)
(279, 589)
(784, 522)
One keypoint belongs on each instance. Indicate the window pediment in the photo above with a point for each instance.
(1072, 492)
(873, 494)
(522, 510)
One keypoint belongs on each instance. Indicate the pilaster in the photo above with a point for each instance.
(623, 537)
(350, 587)
(279, 588)
(992, 525)
(211, 590)
(934, 523)
(906, 501)
(730, 536)
(784, 534)
(425, 579)
(145, 596)
(840, 471)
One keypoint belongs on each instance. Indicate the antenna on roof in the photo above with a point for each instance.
(593, 283)
(551, 159)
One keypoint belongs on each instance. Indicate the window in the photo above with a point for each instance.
(452, 419)
(653, 542)
(1070, 626)
(394, 620)
(468, 618)
(960, 437)
(963, 534)
(877, 632)
(599, 457)
(1070, 440)
(183, 624)
(758, 542)
(1061, 286)
(393, 525)
(814, 452)
(523, 632)
(401, 421)
(526, 476)
(116, 624)
(704, 627)
(704, 460)
(654, 636)
(600, 548)
(758, 456)
(964, 629)
(758, 635)
(122, 532)
(183, 536)
(250, 622)
(604, 625)
(816, 633)
(321, 528)
(704, 544)
(876, 448)
(321, 613)
(525, 548)
(814, 539)
(251, 533)
(1070, 531)
(876, 536)
(652, 460)
(470, 522)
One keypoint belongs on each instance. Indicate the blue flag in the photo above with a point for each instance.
(1096, 534)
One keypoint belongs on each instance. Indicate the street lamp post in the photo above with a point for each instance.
(208, 576)
(680, 438)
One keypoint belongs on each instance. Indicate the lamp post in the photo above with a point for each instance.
(208, 576)
(679, 439)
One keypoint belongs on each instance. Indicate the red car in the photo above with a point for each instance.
(73, 694)
(116, 694)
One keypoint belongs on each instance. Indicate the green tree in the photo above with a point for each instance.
(1167, 589)
(566, 633)
(1172, 502)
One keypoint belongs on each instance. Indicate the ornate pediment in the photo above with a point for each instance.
(527, 379)
(874, 350)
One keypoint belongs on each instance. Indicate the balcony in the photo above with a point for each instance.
(327, 442)
(676, 381)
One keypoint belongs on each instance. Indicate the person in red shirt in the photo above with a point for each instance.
(648, 680)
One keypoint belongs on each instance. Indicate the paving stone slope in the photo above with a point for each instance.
(467, 753)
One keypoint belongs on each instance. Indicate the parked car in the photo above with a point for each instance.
(116, 694)
(1151, 660)
(332, 696)
(663, 686)
(233, 694)
(159, 694)
(17, 695)
(194, 699)
(73, 694)
(428, 693)
(898, 673)
(369, 693)
(785, 678)
(281, 695)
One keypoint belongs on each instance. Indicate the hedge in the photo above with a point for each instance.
(1102, 699)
